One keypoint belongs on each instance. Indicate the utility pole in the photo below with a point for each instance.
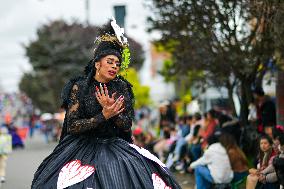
(87, 10)
(280, 97)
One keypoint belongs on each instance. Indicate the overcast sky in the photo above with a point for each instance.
(20, 19)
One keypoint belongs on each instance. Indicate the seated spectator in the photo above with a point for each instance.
(181, 143)
(176, 151)
(266, 156)
(208, 129)
(138, 137)
(193, 139)
(181, 150)
(278, 161)
(162, 147)
(230, 125)
(183, 127)
(237, 157)
(272, 174)
(213, 167)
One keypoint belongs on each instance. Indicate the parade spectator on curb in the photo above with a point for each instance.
(266, 156)
(177, 151)
(278, 162)
(208, 129)
(162, 147)
(187, 140)
(213, 167)
(266, 111)
(183, 127)
(237, 157)
(268, 177)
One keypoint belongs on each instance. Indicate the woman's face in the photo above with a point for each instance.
(264, 145)
(209, 116)
(108, 67)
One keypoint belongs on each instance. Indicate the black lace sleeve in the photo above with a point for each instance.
(76, 124)
(124, 120)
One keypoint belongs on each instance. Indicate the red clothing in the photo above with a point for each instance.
(208, 131)
(270, 160)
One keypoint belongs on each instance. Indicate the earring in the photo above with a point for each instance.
(98, 73)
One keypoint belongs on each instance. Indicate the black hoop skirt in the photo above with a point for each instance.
(95, 163)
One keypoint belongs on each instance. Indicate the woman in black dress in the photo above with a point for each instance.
(96, 150)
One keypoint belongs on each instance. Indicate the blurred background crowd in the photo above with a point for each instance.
(207, 77)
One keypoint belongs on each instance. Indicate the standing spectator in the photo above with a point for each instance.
(6, 147)
(32, 122)
(266, 111)
(172, 110)
(163, 117)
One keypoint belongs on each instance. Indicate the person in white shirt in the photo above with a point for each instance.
(213, 167)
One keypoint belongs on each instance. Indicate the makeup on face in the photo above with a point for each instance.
(113, 61)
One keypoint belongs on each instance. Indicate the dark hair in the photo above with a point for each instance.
(228, 141)
(278, 133)
(278, 163)
(212, 139)
(261, 153)
(104, 47)
(266, 137)
(197, 116)
(222, 118)
(258, 91)
(189, 117)
(182, 118)
(213, 113)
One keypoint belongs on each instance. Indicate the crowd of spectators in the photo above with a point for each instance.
(215, 147)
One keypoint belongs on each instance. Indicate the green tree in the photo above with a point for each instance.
(230, 41)
(141, 93)
(60, 52)
(278, 31)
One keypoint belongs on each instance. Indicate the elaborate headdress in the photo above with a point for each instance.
(111, 41)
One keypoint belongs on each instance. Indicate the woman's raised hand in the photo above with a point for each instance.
(103, 96)
(111, 107)
(115, 109)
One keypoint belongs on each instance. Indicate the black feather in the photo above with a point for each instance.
(107, 28)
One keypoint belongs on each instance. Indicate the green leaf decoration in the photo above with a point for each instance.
(126, 58)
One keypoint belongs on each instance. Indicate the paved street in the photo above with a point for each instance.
(22, 164)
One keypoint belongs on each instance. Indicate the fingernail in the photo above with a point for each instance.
(97, 88)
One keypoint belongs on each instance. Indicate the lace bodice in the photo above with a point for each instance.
(84, 113)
